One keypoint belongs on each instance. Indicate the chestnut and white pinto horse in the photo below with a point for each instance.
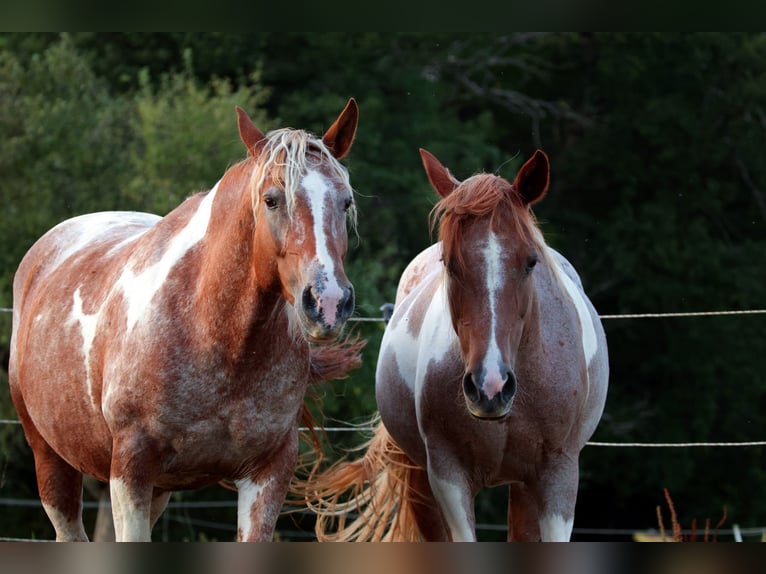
(159, 354)
(493, 370)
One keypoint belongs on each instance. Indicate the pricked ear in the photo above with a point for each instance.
(340, 135)
(533, 178)
(250, 135)
(440, 177)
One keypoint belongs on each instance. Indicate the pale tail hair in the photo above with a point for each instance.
(366, 500)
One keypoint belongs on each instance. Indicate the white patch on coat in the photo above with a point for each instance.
(249, 493)
(130, 523)
(140, 289)
(451, 502)
(88, 325)
(79, 232)
(66, 530)
(317, 192)
(436, 339)
(588, 331)
(554, 528)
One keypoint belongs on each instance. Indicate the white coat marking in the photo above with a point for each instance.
(450, 499)
(71, 530)
(140, 289)
(553, 528)
(81, 231)
(88, 329)
(249, 493)
(589, 342)
(130, 524)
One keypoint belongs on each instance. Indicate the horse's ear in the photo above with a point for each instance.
(533, 178)
(440, 177)
(340, 135)
(250, 135)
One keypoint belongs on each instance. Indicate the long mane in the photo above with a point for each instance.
(284, 159)
(483, 197)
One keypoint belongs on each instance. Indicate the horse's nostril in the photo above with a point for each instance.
(509, 388)
(470, 388)
(347, 306)
(309, 301)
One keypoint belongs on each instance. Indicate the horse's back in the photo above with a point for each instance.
(72, 239)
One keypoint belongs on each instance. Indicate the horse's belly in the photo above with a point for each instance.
(62, 402)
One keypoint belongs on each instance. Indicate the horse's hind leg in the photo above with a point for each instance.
(60, 488)
(59, 484)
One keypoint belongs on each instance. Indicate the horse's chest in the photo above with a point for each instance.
(192, 405)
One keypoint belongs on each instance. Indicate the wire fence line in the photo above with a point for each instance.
(233, 504)
(608, 316)
(370, 429)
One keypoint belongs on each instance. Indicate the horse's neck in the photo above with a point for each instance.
(232, 298)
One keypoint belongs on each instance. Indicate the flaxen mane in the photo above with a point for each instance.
(285, 157)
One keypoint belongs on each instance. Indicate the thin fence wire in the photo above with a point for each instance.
(607, 316)
(369, 429)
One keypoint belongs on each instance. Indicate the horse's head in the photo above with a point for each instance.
(490, 245)
(302, 199)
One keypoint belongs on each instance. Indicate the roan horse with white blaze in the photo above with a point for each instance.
(493, 370)
(160, 354)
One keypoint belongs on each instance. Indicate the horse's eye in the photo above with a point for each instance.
(531, 262)
(347, 205)
(271, 202)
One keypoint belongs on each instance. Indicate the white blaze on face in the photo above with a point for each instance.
(318, 192)
(140, 289)
(495, 275)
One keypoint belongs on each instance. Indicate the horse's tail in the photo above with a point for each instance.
(367, 500)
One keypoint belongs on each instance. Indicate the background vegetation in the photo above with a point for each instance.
(658, 197)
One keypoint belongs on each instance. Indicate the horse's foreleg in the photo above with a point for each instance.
(134, 469)
(428, 517)
(262, 495)
(131, 508)
(523, 514)
(453, 495)
(558, 494)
